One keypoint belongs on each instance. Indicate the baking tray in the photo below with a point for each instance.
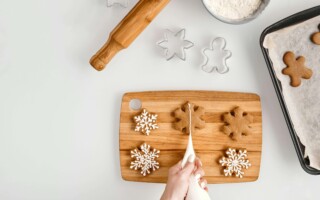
(289, 21)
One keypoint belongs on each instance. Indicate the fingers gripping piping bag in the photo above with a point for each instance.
(195, 192)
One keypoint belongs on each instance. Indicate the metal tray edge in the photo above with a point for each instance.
(289, 21)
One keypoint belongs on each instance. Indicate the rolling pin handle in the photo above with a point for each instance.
(105, 54)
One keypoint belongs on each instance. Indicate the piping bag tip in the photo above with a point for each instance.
(189, 155)
(195, 192)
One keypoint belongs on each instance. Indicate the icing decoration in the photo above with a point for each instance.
(195, 192)
(235, 162)
(182, 114)
(237, 123)
(145, 160)
(145, 122)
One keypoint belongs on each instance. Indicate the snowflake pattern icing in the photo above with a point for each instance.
(183, 117)
(145, 122)
(235, 163)
(146, 161)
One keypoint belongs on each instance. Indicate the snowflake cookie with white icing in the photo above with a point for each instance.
(146, 122)
(145, 160)
(235, 162)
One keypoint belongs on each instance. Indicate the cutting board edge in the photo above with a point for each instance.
(238, 180)
(191, 91)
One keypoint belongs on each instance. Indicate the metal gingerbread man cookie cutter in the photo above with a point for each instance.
(216, 56)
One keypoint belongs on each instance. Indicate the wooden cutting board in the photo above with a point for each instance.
(209, 143)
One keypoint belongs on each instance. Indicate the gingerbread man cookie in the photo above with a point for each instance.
(296, 68)
(182, 114)
(315, 38)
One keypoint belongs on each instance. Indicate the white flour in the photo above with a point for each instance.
(233, 9)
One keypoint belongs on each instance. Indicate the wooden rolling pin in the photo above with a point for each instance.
(127, 31)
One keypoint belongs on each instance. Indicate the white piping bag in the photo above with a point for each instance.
(195, 192)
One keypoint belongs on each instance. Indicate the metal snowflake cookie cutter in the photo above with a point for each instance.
(145, 159)
(235, 162)
(145, 122)
(122, 3)
(175, 44)
(216, 56)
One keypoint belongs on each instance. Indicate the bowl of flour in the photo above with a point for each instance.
(235, 11)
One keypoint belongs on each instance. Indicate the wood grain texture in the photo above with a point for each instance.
(209, 143)
(127, 31)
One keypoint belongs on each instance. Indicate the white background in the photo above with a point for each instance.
(59, 118)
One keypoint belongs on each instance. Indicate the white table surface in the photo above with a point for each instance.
(59, 118)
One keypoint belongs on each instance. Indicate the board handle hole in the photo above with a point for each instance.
(135, 104)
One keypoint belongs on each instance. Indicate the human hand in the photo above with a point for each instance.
(178, 179)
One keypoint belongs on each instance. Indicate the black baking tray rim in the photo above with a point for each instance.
(289, 21)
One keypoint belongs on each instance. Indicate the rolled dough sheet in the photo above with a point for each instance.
(303, 102)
